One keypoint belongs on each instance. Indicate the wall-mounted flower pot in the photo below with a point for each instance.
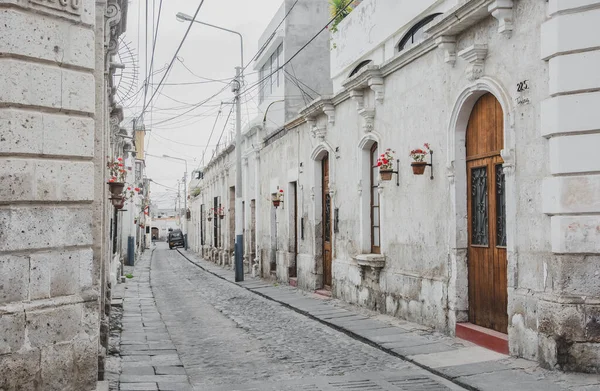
(386, 175)
(118, 202)
(210, 219)
(276, 203)
(116, 188)
(418, 167)
(221, 217)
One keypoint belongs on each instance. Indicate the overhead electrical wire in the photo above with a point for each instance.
(146, 104)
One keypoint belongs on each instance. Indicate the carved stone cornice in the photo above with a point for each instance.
(475, 55)
(371, 77)
(319, 132)
(359, 97)
(368, 116)
(448, 44)
(502, 10)
(317, 107)
(508, 156)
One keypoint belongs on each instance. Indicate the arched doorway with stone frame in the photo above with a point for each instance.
(322, 197)
(465, 170)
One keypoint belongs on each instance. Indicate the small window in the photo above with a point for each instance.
(416, 33)
(359, 67)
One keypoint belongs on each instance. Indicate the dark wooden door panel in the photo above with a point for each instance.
(487, 264)
(326, 224)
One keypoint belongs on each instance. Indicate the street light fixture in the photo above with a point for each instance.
(236, 86)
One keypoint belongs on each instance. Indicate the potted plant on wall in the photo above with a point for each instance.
(277, 198)
(418, 157)
(117, 173)
(221, 212)
(385, 162)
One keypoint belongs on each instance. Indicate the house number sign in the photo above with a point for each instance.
(523, 87)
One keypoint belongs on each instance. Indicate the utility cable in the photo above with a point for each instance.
(146, 104)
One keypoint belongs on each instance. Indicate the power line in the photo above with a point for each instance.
(173, 59)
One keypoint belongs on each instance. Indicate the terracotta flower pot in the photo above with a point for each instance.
(386, 175)
(276, 203)
(210, 219)
(116, 188)
(221, 217)
(118, 202)
(418, 167)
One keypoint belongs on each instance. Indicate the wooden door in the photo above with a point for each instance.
(488, 294)
(326, 224)
(374, 188)
(294, 268)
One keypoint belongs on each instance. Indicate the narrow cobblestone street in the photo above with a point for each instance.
(186, 326)
(227, 336)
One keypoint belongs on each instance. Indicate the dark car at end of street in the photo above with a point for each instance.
(175, 239)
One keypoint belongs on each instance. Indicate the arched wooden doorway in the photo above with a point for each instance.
(488, 294)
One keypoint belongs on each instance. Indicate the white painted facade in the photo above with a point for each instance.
(425, 93)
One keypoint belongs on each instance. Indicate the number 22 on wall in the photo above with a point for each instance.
(522, 86)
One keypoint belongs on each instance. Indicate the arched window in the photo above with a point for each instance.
(415, 34)
(359, 67)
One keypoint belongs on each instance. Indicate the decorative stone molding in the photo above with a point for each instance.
(475, 55)
(508, 156)
(448, 44)
(371, 78)
(318, 106)
(319, 132)
(376, 84)
(68, 6)
(368, 119)
(359, 97)
(502, 10)
(373, 262)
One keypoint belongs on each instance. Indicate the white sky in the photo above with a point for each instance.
(208, 53)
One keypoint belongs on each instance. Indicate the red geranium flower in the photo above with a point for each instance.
(120, 159)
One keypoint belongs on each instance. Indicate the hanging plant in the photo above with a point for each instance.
(117, 175)
(277, 198)
(339, 9)
(385, 162)
(418, 156)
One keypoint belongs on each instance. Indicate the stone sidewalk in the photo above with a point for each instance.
(457, 360)
(149, 360)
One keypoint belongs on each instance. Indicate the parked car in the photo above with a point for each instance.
(175, 239)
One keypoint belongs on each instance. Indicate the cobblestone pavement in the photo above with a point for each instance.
(229, 338)
(149, 360)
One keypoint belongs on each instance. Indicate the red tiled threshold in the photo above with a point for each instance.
(293, 281)
(323, 292)
(487, 338)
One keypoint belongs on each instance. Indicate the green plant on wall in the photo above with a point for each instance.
(339, 9)
(196, 192)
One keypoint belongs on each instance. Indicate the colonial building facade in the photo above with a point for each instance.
(58, 123)
(500, 233)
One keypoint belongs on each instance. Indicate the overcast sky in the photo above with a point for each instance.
(208, 53)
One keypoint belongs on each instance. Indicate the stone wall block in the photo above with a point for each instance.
(26, 132)
(555, 6)
(50, 39)
(57, 273)
(57, 367)
(78, 91)
(574, 154)
(14, 270)
(565, 114)
(40, 227)
(45, 180)
(571, 194)
(561, 320)
(55, 325)
(575, 234)
(84, 14)
(570, 33)
(20, 371)
(574, 72)
(12, 332)
(85, 363)
(574, 275)
(63, 88)
(21, 83)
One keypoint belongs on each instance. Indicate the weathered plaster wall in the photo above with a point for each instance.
(50, 264)
(551, 193)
